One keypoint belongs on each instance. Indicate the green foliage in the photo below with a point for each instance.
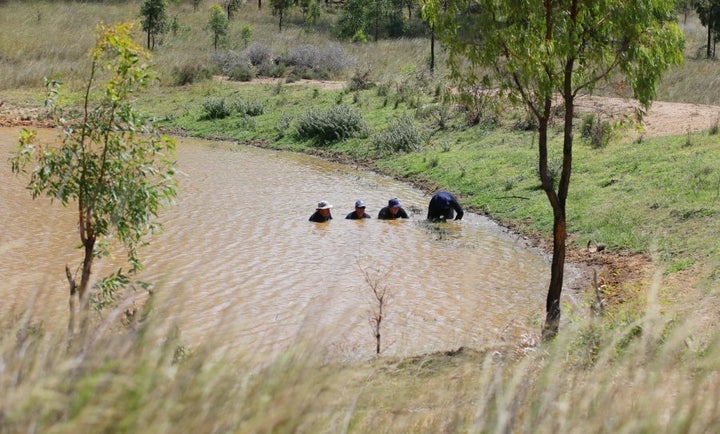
(249, 108)
(215, 108)
(709, 13)
(246, 33)
(218, 24)
(189, 73)
(380, 18)
(241, 73)
(338, 123)
(155, 20)
(281, 8)
(402, 135)
(596, 131)
(111, 162)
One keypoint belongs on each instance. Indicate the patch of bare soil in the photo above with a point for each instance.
(662, 119)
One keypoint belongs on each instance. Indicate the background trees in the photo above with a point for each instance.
(111, 163)
(154, 19)
(535, 51)
(709, 13)
(218, 24)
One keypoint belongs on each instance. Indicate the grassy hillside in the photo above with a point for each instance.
(646, 365)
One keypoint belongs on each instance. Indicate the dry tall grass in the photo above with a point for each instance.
(654, 375)
(48, 39)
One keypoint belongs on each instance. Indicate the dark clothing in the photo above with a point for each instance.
(318, 218)
(443, 206)
(353, 216)
(384, 214)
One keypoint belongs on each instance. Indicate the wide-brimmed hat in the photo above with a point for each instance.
(359, 204)
(392, 203)
(324, 205)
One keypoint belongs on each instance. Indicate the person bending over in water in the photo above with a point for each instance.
(443, 206)
(392, 211)
(322, 212)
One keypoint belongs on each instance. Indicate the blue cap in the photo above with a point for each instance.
(359, 204)
(394, 202)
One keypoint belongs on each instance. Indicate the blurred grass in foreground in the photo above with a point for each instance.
(657, 374)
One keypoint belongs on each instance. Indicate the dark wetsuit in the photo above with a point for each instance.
(443, 206)
(354, 216)
(385, 214)
(318, 218)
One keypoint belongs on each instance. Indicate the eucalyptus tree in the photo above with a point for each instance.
(534, 51)
(281, 9)
(231, 6)
(111, 163)
(154, 20)
(709, 14)
(218, 24)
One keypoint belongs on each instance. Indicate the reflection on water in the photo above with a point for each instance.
(239, 261)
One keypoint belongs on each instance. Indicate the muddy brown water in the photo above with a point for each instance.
(240, 263)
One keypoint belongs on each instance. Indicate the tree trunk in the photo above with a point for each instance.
(71, 302)
(259, 4)
(709, 34)
(83, 293)
(432, 49)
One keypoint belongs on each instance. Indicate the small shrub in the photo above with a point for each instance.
(241, 73)
(283, 125)
(336, 124)
(714, 128)
(402, 135)
(229, 60)
(308, 61)
(257, 54)
(216, 109)
(596, 131)
(189, 74)
(360, 37)
(252, 108)
(480, 108)
(360, 80)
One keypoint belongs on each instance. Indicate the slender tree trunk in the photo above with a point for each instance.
(83, 294)
(432, 49)
(71, 302)
(709, 34)
(259, 4)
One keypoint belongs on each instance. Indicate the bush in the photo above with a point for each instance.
(253, 108)
(336, 124)
(257, 54)
(402, 135)
(216, 109)
(189, 74)
(596, 131)
(229, 60)
(241, 73)
(309, 61)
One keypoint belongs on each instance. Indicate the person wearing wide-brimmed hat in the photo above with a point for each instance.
(359, 212)
(393, 211)
(322, 212)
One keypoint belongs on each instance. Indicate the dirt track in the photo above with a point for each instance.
(663, 118)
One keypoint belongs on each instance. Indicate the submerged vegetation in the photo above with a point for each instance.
(643, 362)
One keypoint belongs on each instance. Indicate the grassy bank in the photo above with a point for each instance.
(646, 366)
